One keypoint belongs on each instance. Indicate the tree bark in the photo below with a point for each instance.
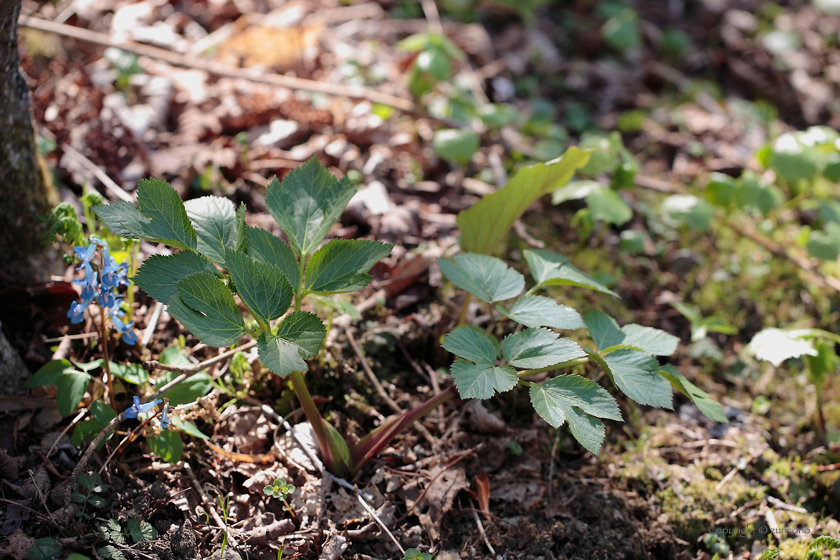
(25, 191)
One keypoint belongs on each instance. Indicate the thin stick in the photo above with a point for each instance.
(65, 430)
(41, 496)
(373, 514)
(208, 503)
(152, 365)
(77, 471)
(481, 530)
(153, 321)
(381, 390)
(432, 16)
(109, 183)
(339, 90)
(72, 337)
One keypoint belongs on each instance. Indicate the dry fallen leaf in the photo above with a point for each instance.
(482, 486)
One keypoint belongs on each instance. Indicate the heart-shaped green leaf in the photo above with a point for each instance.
(168, 446)
(159, 273)
(263, 287)
(298, 337)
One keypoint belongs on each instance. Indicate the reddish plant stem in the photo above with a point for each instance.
(315, 419)
(377, 440)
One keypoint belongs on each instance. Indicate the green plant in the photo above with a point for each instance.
(282, 491)
(220, 259)
(814, 346)
(92, 488)
(701, 326)
(432, 63)
(813, 552)
(414, 554)
(136, 529)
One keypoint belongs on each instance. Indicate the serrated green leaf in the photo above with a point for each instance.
(206, 308)
(588, 430)
(270, 249)
(188, 427)
(159, 273)
(336, 266)
(140, 530)
(174, 356)
(167, 446)
(488, 221)
(102, 413)
(481, 381)
(215, 223)
(111, 552)
(71, 389)
(698, 396)
(551, 269)
(635, 373)
(555, 395)
(539, 311)
(650, 340)
(49, 374)
(308, 203)
(487, 278)
(241, 243)
(298, 337)
(603, 329)
(191, 389)
(538, 348)
(168, 219)
(607, 206)
(467, 343)
(263, 287)
(124, 219)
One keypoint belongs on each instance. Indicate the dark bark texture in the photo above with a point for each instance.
(24, 191)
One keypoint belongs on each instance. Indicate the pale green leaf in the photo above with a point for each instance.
(141, 530)
(168, 446)
(71, 389)
(551, 269)
(188, 427)
(466, 342)
(269, 249)
(335, 266)
(635, 373)
(308, 203)
(588, 430)
(603, 329)
(124, 219)
(159, 273)
(538, 348)
(130, 373)
(456, 145)
(487, 278)
(262, 287)
(168, 219)
(539, 311)
(206, 308)
(777, 345)
(189, 390)
(214, 221)
(699, 397)
(488, 221)
(481, 381)
(607, 205)
(298, 337)
(552, 397)
(650, 340)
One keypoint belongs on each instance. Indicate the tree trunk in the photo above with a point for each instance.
(25, 192)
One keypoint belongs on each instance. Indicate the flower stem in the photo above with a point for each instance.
(312, 415)
(106, 365)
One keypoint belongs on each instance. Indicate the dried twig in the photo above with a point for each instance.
(152, 325)
(340, 90)
(109, 183)
(481, 530)
(379, 522)
(208, 503)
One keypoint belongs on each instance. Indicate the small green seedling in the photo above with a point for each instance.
(282, 491)
(92, 487)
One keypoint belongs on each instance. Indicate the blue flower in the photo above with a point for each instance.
(137, 408)
(128, 334)
(106, 299)
(98, 241)
(85, 255)
(77, 312)
(112, 274)
(164, 419)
